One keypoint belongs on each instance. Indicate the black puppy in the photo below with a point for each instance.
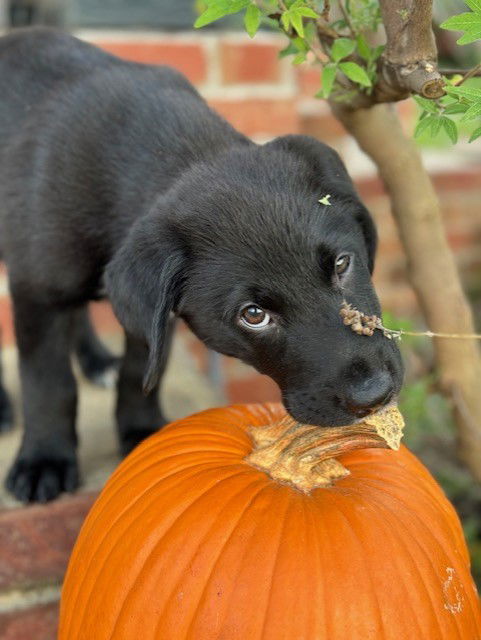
(116, 178)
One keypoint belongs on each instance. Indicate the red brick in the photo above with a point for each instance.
(461, 180)
(255, 388)
(38, 623)
(322, 125)
(308, 79)
(458, 180)
(260, 117)
(104, 318)
(36, 541)
(249, 63)
(6, 321)
(370, 188)
(189, 58)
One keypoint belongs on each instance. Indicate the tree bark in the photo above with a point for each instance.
(409, 61)
(431, 264)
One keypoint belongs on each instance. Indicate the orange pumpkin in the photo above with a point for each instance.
(188, 541)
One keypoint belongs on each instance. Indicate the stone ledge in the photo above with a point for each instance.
(39, 623)
(35, 544)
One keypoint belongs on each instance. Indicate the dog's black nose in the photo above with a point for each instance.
(369, 393)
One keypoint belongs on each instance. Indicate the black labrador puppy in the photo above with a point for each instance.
(117, 179)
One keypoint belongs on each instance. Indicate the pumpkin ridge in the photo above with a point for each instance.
(93, 557)
(287, 498)
(339, 509)
(425, 552)
(223, 546)
(381, 525)
(456, 532)
(274, 565)
(444, 505)
(320, 547)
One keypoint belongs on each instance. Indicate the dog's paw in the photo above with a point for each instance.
(41, 479)
(130, 438)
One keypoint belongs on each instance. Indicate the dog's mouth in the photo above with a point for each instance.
(333, 412)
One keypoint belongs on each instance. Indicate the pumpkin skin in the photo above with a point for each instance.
(189, 542)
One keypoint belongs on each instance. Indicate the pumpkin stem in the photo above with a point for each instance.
(304, 456)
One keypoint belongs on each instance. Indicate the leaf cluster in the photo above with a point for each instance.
(349, 56)
(469, 22)
(349, 62)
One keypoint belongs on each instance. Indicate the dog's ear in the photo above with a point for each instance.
(143, 282)
(326, 173)
(364, 219)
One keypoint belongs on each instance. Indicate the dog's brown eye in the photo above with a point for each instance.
(342, 264)
(254, 317)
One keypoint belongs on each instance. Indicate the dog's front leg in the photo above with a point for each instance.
(138, 415)
(46, 464)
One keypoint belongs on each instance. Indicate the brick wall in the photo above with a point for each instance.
(263, 97)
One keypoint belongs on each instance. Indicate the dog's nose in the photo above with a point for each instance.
(369, 393)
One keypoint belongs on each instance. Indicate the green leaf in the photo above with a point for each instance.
(341, 48)
(473, 112)
(300, 58)
(290, 50)
(310, 31)
(470, 36)
(436, 126)
(355, 73)
(252, 19)
(475, 5)
(475, 135)
(327, 79)
(377, 51)
(210, 15)
(450, 127)
(462, 22)
(301, 44)
(296, 21)
(307, 13)
(427, 105)
(325, 200)
(456, 107)
(218, 9)
(470, 93)
(423, 125)
(363, 48)
(286, 20)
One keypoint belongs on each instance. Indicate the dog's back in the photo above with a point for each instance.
(33, 62)
(88, 142)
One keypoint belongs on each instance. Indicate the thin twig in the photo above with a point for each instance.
(434, 334)
(347, 18)
(474, 71)
(458, 72)
(364, 324)
(326, 10)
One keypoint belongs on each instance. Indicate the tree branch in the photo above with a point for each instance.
(409, 62)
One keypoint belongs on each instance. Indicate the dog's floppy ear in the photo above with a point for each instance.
(364, 219)
(326, 173)
(143, 282)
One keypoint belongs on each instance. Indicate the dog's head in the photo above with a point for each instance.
(257, 250)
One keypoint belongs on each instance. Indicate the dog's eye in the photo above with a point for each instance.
(254, 317)
(342, 264)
